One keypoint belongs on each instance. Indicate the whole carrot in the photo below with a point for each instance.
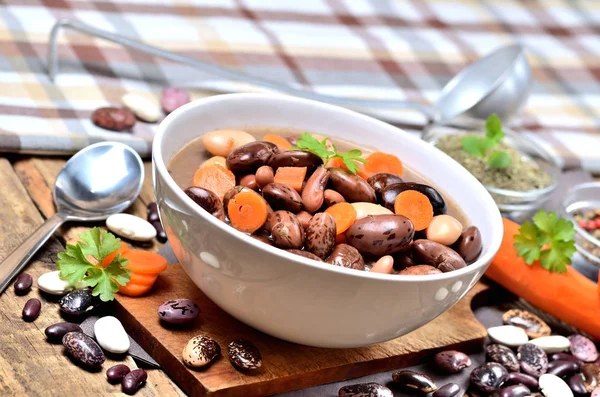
(569, 296)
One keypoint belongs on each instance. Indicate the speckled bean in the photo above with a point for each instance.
(452, 361)
(345, 255)
(282, 197)
(249, 181)
(248, 158)
(320, 235)
(331, 197)
(382, 180)
(312, 194)
(351, 186)
(469, 244)
(207, 200)
(414, 381)
(286, 230)
(296, 158)
(380, 234)
(437, 255)
(304, 218)
(419, 270)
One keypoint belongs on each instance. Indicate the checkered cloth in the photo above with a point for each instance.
(380, 49)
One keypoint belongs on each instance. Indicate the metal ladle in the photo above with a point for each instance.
(100, 180)
(497, 83)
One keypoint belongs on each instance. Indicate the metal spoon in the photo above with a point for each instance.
(497, 83)
(100, 180)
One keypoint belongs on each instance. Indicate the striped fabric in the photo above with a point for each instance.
(355, 48)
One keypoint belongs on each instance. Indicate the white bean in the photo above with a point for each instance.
(215, 160)
(364, 209)
(223, 142)
(444, 229)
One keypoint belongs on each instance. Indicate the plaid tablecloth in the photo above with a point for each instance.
(354, 48)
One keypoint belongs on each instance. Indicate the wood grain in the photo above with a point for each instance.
(286, 366)
(29, 365)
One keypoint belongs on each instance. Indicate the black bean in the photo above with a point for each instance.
(160, 232)
(152, 212)
(514, 378)
(133, 381)
(31, 310)
(55, 332)
(562, 368)
(414, 381)
(23, 284)
(449, 390)
(515, 391)
(116, 373)
(564, 356)
(576, 384)
(452, 361)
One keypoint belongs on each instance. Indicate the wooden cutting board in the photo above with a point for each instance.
(286, 366)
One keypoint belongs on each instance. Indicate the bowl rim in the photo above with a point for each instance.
(565, 209)
(160, 166)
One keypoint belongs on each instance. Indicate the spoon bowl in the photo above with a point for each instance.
(98, 181)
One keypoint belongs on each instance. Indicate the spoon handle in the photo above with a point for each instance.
(16, 260)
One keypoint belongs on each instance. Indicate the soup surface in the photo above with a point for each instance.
(424, 250)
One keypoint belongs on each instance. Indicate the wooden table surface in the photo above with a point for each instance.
(30, 366)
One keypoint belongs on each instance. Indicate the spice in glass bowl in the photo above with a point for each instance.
(493, 162)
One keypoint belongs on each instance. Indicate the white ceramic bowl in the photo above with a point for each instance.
(291, 297)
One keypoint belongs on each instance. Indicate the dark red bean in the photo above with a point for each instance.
(515, 391)
(31, 310)
(564, 356)
(152, 212)
(449, 390)
(452, 361)
(23, 284)
(133, 381)
(160, 232)
(116, 373)
(514, 378)
(562, 368)
(55, 332)
(411, 380)
(576, 384)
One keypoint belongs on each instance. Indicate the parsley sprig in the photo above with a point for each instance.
(482, 146)
(311, 144)
(83, 262)
(548, 239)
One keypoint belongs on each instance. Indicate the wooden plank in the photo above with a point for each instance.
(286, 366)
(29, 366)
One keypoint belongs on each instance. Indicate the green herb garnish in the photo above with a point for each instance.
(548, 239)
(311, 144)
(482, 146)
(75, 265)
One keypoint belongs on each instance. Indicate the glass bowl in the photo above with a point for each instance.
(513, 204)
(585, 196)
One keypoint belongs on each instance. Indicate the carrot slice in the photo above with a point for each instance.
(132, 289)
(570, 296)
(336, 162)
(124, 248)
(416, 207)
(142, 279)
(214, 177)
(344, 215)
(291, 176)
(145, 262)
(378, 162)
(282, 143)
(247, 211)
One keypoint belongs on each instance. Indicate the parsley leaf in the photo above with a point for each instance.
(309, 143)
(499, 159)
(493, 128)
(75, 266)
(480, 146)
(473, 145)
(549, 239)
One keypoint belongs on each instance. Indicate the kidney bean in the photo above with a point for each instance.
(469, 244)
(320, 235)
(332, 197)
(264, 175)
(382, 180)
(296, 158)
(389, 194)
(115, 374)
(304, 218)
(249, 181)
(562, 368)
(533, 359)
(565, 356)
(306, 254)
(515, 391)
(380, 234)
(419, 270)
(365, 390)
(414, 380)
(23, 284)
(403, 260)
(286, 230)
(152, 212)
(437, 255)
(248, 158)
(55, 332)
(351, 186)
(448, 390)
(31, 310)
(206, 199)
(161, 235)
(576, 384)
(313, 192)
(133, 381)
(518, 377)
(282, 197)
(452, 361)
(345, 255)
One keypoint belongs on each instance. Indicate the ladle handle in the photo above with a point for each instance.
(16, 260)
(216, 70)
